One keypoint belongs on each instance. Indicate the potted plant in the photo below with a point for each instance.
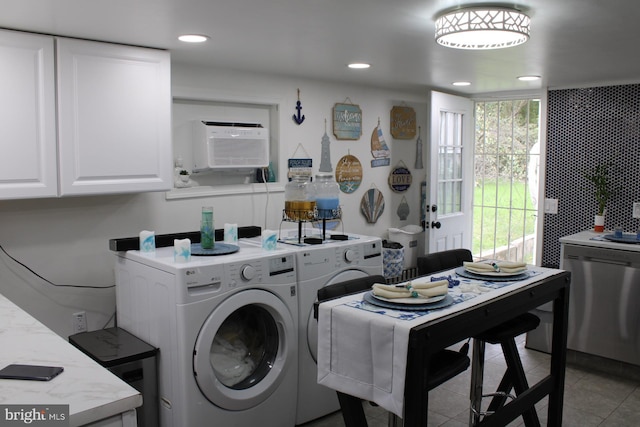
(184, 175)
(600, 177)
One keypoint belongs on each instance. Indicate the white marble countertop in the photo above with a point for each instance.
(92, 392)
(591, 238)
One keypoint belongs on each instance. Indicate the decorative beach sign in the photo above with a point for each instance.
(403, 122)
(372, 205)
(325, 154)
(400, 178)
(403, 209)
(299, 165)
(379, 148)
(349, 173)
(298, 119)
(347, 121)
(419, 151)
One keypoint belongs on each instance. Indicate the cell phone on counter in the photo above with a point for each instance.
(30, 372)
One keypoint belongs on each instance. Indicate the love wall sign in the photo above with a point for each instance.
(400, 178)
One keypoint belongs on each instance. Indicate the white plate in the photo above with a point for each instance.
(495, 273)
(418, 300)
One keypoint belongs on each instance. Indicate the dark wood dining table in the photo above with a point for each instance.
(434, 335)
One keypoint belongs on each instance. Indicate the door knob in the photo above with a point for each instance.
(435, 224)
(434, 208)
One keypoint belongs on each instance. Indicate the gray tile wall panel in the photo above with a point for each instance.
(586, 127)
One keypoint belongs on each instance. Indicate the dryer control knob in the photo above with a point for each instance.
(349, 255)
(247, 272)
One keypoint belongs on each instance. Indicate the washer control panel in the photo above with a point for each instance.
(268, 270)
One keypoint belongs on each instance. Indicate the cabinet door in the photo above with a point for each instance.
(114, 118)
(27, 116)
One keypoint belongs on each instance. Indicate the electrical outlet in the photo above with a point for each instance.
(636, 210)
(551, 206)
(79, 322)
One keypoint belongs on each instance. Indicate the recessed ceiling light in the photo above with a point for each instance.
(528, 78)
(193, 38)
(359, 65)
(461, 83)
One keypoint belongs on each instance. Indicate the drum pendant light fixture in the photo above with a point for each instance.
(481, 28)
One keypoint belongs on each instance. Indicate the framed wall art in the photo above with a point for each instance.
(400, 178)
(379, 148)
(372, 204)
(347, 121)
(403, 122)
(349, 173)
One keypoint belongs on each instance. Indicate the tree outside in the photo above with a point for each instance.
(506, 179)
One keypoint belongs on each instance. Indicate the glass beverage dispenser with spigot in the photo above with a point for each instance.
(299, 199)
(327, 196)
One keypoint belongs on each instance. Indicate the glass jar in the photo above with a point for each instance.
(207, 231)
(299, 198)
(327, 192)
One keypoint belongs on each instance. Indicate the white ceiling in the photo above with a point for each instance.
(573, 43)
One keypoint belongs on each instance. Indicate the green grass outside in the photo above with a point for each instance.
(507, 211)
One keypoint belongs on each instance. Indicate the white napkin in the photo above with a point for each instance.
(418, 288)
(503, 267)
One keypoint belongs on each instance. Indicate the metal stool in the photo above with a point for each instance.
(513, 378)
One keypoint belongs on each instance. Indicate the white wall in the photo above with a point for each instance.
(66, 240)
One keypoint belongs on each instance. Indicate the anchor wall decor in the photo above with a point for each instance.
(298, 119)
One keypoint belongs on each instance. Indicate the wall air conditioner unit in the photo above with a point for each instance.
(222, 145)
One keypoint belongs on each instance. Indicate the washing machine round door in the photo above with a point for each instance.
(312, 322)
(244, 349)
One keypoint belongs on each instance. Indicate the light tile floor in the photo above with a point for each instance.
(590, 398)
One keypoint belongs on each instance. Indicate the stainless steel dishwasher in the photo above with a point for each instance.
(604, 318)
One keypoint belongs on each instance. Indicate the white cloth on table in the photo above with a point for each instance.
(363, 353)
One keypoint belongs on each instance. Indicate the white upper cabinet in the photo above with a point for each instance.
(28, 166)
(110, 131)
(114, 118)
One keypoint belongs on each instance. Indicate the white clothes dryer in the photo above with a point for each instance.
(227, 329)
(319, 266)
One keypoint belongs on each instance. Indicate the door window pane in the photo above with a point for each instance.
(450, 163)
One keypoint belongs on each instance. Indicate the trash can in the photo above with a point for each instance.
(540, 337)
(392, 259)
(411, 237)
(130, 359)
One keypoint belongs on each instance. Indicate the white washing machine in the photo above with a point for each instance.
(319, 266)
(227, 329)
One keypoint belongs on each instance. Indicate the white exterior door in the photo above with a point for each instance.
(449, 213)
